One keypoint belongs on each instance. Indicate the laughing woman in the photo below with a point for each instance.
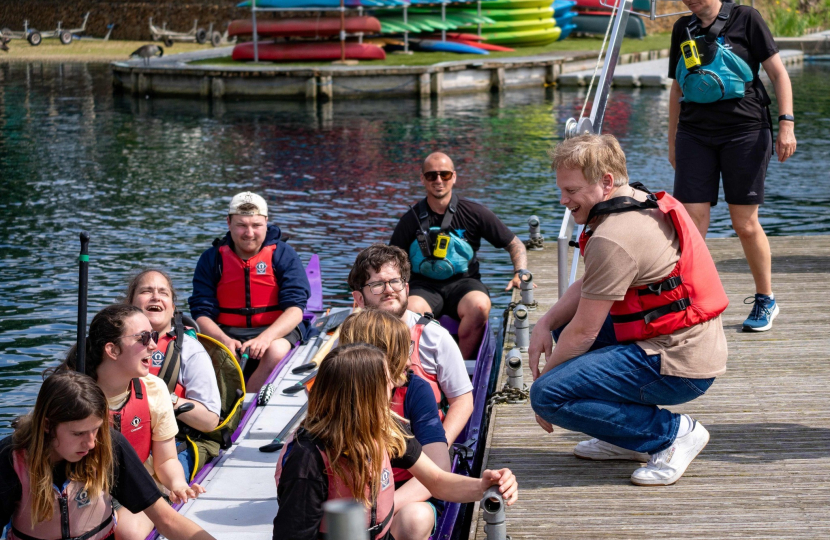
(118, 356)
(60, 470)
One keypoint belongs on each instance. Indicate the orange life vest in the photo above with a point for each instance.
(248, 292)
(133, 420)
(416, 367)
(384, 505)
(74, 514)
(691, 294)
(158, 359)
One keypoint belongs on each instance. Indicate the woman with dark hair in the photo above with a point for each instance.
(119, 353)
(349, 451)
(61, 467)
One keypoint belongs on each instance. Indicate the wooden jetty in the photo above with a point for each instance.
(766, 470)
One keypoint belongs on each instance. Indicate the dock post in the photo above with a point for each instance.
(311, 89)
(217, 88)
(437, 82)
(424, 84)
(552, 71)
(492, 505)
(497, 79)
(326, 91)
(345, 519)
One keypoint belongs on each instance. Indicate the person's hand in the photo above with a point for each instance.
(181, 493)
(516, 282)
(547, 426)
(504, 478)
(541, 341)
(785, 142)
(671, 157)
(257, 346)
(233, 345)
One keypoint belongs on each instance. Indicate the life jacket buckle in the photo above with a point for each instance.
(680, 305)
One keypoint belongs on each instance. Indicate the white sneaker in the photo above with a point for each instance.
(601, 451)
(666, 467)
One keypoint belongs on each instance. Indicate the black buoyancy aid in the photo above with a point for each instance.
(133, 420)
(384, 505)
(247, 292)
(691, 294)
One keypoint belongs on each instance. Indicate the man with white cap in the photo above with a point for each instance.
(250, 289)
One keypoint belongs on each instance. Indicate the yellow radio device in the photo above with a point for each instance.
(442, 242)
(690, 54)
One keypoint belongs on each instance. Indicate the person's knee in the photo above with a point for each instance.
(546, 397)
(418, 305)
(747, 228)
(276, 352)
(476, 305)
(414, 521)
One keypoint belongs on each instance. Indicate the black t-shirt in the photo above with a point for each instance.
(472, 220)
(304, 487)
(748, 36)
(133, 486)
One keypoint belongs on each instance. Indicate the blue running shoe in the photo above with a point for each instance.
(764, 311)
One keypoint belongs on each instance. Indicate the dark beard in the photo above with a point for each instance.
(397, 313)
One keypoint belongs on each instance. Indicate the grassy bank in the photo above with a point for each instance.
(654, 42)
(82, 51)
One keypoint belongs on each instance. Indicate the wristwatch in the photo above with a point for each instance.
(174, 398)
(787, 117)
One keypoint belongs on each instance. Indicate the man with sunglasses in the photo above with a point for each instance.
(378, 279)
(442, 234)
(250, 290)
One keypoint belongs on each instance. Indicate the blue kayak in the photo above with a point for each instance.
(433, 45)
(564, 19)
(566, 31)
(560, 7)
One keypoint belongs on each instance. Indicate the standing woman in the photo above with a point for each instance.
(119, 352)
(61, 467)
(347, 446)
(721, 126)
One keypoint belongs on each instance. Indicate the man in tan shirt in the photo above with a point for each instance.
(607, 387)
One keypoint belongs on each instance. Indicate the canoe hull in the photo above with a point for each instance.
(310, 51)
(305, 27)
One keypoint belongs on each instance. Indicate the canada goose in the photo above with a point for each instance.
(3, 43)
(148, 51)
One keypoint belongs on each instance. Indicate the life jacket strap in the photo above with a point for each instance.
(104, 524)
(717, 26)
(659, 287)
(374, 530)
(249, 311)
(650, 315)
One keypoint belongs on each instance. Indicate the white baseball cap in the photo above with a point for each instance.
(248, 198)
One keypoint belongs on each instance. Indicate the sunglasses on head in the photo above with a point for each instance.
(145, 337)
(432, 176)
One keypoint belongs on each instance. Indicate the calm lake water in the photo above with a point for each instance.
(151, 179)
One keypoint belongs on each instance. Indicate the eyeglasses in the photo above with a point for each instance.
(146, 336)
(432, 176)
(377, 287)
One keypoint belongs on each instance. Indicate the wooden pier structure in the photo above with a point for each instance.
(766, 470)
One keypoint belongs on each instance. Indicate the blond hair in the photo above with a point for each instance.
(594, 155)
(386, 332)
(348, 411)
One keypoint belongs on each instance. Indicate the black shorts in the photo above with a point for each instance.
(443, 296)
(741, 159)
(244, 334)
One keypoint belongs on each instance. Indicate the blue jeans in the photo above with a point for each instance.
(188, 461)
(612, 392)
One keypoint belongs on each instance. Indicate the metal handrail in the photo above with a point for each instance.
(652, 12)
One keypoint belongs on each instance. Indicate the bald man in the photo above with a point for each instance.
(441, 235)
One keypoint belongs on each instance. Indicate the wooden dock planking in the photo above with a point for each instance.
(766, 470)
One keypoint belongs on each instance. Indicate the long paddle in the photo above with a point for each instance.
(318, 357)
(83, 293)
(279, 440)
(325, 324)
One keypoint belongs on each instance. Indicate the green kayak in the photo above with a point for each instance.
(526, 38)
(505, 14)
(513, 26)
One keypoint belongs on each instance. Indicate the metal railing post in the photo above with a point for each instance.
(345, 520)
(565, 234)
(253, 28)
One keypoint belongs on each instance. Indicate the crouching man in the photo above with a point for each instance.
(642, 328)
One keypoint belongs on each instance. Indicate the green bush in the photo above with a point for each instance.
(791, 18)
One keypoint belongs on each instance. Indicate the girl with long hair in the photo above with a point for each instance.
(119, 353)
(347, 446)
(416, 511)
(62, 465)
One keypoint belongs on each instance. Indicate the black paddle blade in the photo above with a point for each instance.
(303, 368)
(291, 390)
(271, 447)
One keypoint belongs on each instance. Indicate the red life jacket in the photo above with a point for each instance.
(396, 404)
(133, 420)
(416, 367)
(248, 292)
(383, 507)
(74, 514)
(158, 359)
(691, 294)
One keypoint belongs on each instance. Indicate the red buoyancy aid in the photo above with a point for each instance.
(74, 514)
(691, 294)
(379, 517)
(248, 292)
(396, 404)
(418, 369)
(158, 359)
(133, 420)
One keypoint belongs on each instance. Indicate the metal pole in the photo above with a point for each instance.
(565, 234)
(405, 30)
(256, 37)
(83, 288)
(611, 58)
(478, 11)
(342, 31)
(345, 520)
(444, 20)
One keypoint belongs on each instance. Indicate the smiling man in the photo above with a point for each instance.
(442, 234)
(642, 327)
(250, 289)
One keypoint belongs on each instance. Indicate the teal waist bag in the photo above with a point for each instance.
(459, 255)
(724, 77)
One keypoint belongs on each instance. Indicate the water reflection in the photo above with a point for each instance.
(151, 179)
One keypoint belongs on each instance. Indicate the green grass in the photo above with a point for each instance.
(792, 18)
(656, 41)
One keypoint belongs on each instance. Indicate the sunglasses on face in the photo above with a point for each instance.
(145, 337)
(432, 176)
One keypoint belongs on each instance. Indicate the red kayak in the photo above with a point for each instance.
(305, 27)
(308, 51)
(457, 35)
(485, 46)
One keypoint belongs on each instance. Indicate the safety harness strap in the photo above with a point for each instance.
(717, 26)
(169, 371)
(650, 315)
(104, 524)
(668, 284)
(249, 311)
